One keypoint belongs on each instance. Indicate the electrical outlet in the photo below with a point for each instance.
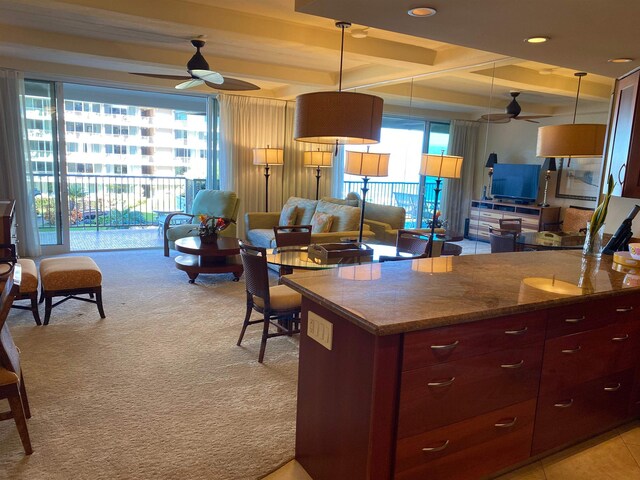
(320, 329)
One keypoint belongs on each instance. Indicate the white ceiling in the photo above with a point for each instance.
(288, 52)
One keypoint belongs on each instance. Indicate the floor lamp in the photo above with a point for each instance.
(267, 156)
(439, 166)
(367, 165)
(548, 166)
(319, 160)
(491, 161)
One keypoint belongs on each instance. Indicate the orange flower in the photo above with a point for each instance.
(203, 218)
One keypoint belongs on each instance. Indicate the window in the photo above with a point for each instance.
(180, 171)
(180, 134)
(120, 169)
(147, 169)
(180, 115)
(182, 152)
(72, 147)
(147, 150)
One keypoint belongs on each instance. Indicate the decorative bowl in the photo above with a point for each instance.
(634, 250)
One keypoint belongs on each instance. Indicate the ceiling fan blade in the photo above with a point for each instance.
(496, 117)
(531, 117)
(208, 76)
(233, 84)
(167, 77)
(194, 82)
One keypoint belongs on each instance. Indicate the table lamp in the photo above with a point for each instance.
(368, 165)
(267, 156)
(491, 161)
(439, 166)
(318, 159)
(548, 166)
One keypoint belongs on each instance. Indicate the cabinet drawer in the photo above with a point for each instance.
(449, 392)
(579, 358)
(472, 448)
(586, 316)
(447, 344)
(578, 412)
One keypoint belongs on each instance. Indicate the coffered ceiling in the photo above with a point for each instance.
(461, 62)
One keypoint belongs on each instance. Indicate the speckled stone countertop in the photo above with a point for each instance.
(396, 297)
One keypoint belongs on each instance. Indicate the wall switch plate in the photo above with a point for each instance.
(320, 330)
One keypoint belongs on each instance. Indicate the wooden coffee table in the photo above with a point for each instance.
(220, 257)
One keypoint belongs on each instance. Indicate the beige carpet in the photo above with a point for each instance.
(158, 389)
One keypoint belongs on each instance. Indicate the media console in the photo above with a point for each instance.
(487, 213)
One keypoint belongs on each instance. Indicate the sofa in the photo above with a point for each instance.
(345, 224)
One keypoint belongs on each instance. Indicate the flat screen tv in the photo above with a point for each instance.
(515, 181)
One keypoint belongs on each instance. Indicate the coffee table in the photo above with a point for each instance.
(220, 257)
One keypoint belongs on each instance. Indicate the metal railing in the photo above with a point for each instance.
(114, 201)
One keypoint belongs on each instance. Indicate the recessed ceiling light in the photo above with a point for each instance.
(422, 12)
(620, 60)
(536, 39)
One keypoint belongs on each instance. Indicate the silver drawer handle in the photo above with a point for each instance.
(573, 350)
(517, 332)
(613, 389)
(624, 309)
(621, 338)
(513, 365)
(574, 320)
(445, 347)
(436, 449)
(507, 424)
(444, 383)
(564, 404)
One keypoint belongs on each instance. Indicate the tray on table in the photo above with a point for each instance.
(332, 253)
(564, 239)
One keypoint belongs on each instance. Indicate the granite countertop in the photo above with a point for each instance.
(395, 297)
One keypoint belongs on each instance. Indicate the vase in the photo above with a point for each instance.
(593, 242)
(210, 238)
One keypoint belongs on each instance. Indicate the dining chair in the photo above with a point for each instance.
(513, 224)
(449, 248)
(411, 242)
(11, 380)
(502, 240)
(279, 305)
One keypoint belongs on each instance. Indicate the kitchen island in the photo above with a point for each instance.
(461, 367)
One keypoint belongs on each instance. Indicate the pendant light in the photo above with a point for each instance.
(340, 118)
(582, 140)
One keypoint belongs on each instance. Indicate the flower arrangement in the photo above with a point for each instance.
(210, 226)
(439, 222)
(593, 242)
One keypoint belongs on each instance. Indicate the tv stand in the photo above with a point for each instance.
(487, 213)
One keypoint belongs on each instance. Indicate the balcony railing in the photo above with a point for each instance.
(114, 201)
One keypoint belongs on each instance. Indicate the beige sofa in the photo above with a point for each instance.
(346, 222)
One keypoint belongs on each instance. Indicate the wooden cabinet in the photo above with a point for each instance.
(623, 148)
(487, 213)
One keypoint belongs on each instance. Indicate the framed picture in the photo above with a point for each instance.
(578, 178)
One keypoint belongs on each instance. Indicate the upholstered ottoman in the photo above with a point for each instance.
(29, 287)
(68, 277)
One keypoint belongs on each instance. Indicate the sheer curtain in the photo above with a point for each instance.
(458, 193)
(15, 164)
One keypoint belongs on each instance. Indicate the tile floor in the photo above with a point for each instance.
(612, 456)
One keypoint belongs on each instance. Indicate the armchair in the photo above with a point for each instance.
(215, 203)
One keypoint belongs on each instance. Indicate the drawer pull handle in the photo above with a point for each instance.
(522, 331)
(624, 309)
(445, 347)
(621, 338)
(615, 388)
(573, 350)
(564, 404)
(444, 383)
(436, 449)
(513, 365)
(574, 320)
(507, 424)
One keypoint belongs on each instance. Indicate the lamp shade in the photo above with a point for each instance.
(318, 159)
(492, 160)
(268, 156)
(549, 164)
(581, 140)
(367, 164)
(442, 166)
(344, 117)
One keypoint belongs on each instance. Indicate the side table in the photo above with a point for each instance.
(220, 257)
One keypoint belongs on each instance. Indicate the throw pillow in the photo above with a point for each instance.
(321, 222)
(288, 215)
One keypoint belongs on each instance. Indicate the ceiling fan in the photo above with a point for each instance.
(511, 112)
(199, 74)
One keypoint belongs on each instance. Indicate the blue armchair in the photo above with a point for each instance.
(215, 203)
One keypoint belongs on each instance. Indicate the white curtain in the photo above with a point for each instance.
(458, 193)
(15, 165)
(250, 122)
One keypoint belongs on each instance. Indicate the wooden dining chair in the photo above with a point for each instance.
(11, 380)
(408, 242)
(291, 236)
(502, 240)
(279, 305)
